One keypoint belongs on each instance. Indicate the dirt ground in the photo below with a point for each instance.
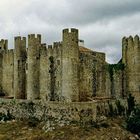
(112, 129)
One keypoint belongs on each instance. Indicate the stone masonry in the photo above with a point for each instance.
(67, 70)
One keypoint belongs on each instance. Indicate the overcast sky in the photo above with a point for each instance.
(102, 23)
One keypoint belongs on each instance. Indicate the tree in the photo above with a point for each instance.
(131, 104)
(133, 121)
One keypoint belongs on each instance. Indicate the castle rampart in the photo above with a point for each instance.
(65, 71)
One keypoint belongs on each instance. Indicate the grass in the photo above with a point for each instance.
(22, 131)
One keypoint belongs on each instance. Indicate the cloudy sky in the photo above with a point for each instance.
(102, 23)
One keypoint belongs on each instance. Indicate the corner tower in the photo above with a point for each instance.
(33, 88)
(131, 59)
(70, 63)
(3, 44)
(20, 68)
(3, 47)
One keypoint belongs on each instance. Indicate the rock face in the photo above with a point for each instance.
(67, 70)
(56, 112)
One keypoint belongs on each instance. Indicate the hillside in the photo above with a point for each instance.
(111, 129)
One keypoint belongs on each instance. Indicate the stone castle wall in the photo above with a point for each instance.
(66, 71)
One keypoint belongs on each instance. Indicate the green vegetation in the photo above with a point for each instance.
(133, 121)
(33, 122)
(133, 118)
(116, 110)
(130, 103)
(116, 67)
(6, 117)
(111, 112)
(120, 108)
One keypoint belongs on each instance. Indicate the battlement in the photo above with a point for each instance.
(8, 54)
(131, 42)
(70, 30)
(11, 51)
(20, 46)
(43, 44)
(70, 35)
(50, 50)
(49, 47)
(34, 37)
(19, 38)
(20, 41)
(124, 41)
(3, 44)
(43, 49)
(136, 41)
(56, 44)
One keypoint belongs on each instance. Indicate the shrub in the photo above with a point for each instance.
(130, 103)
(33, 122)
(120, 108)
(6, 117)
(111, 110)
(133, 121)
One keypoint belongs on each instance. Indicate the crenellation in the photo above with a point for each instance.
(136, 41)
(130, 43)
(66, 31)
(43, 49)
(67, 71)
(74, 30)
(50, 50)
(3, 44)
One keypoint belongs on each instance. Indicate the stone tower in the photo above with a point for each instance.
(70, 62)
(131, 59)
(33, 87)
(43, 72)
(3, 47)
(20, 68)
(4, 44)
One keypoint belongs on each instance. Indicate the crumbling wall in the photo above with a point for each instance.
(58, 112)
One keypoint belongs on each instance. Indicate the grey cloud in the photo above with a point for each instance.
(84, 12)
(102, 23)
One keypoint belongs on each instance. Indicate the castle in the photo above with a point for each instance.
(67, 70)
